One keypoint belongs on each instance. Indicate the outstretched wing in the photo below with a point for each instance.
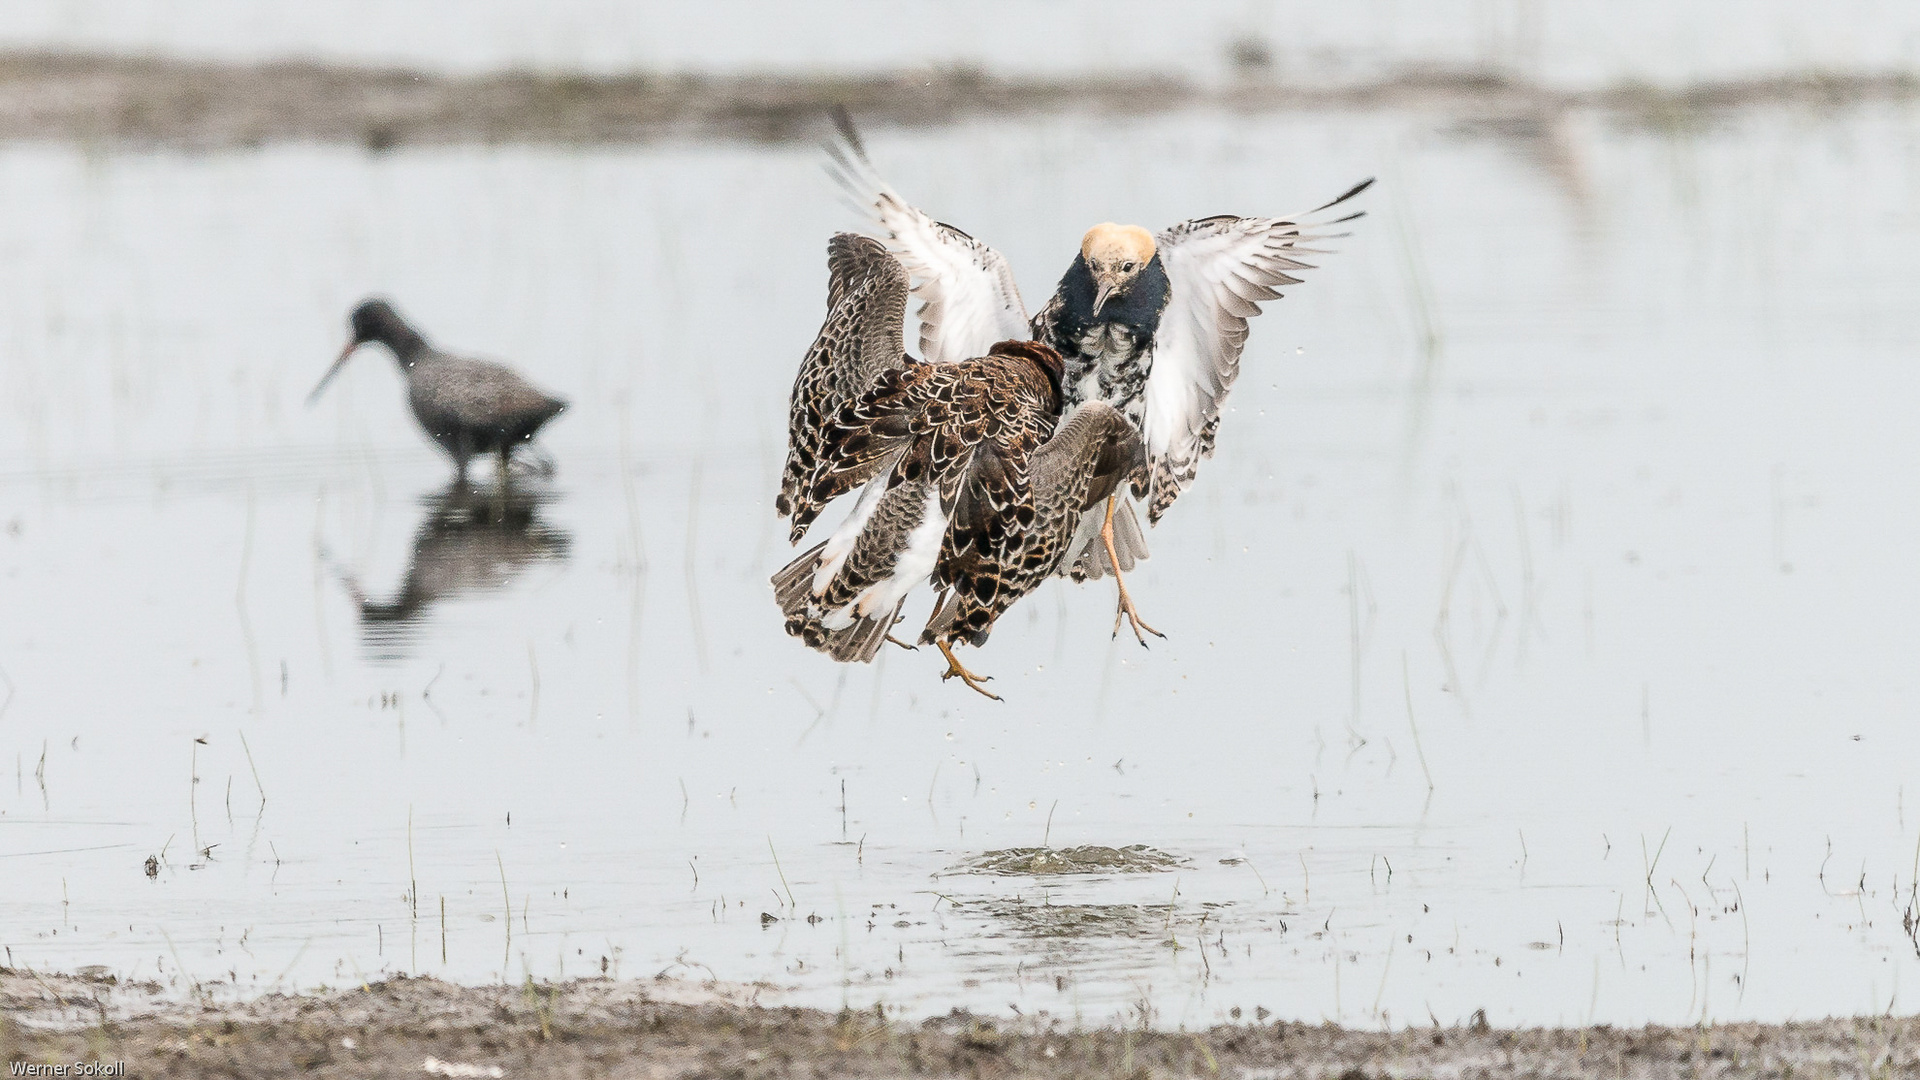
(867, 304)
(1220, 268)
(968, 299)
(859, 342)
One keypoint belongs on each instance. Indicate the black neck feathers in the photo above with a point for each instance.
(1136, 305)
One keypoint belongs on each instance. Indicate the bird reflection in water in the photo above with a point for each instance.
(472, 540)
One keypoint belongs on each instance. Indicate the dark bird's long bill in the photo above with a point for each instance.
(332, 371)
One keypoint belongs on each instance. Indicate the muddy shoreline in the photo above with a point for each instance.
(670, 1029)
(204, 105)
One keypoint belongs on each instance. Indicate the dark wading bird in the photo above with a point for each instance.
(969, 478)
(470, 407)
(471, 541)
(1152, 324)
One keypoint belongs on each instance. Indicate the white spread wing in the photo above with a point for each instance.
(1220, 269)
(968, 299)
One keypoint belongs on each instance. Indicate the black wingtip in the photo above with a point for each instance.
(1350, 193)
(843, 123)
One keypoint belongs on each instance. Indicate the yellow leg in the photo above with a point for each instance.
(903, 644)
(954, 669)
(1127, 610)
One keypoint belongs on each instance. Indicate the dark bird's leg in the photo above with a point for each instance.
(462, 453)
(1127, 610)
(954, 669)
(505, 453)
(910, 647)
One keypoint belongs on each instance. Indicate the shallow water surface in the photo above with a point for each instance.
(1540, 638)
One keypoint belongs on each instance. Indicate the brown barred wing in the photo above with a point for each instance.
(884, 542)
(991, 512)
(993, 515)
(899, 425)
(925, 440)
(859, 343)
(923, 422)
(867, 581)
(1014, 533)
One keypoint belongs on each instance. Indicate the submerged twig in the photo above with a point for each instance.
(257, 785)
(783, 874)
(1406, 681)
(507, 920)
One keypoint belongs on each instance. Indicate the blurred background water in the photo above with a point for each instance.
(1540, 638)
(1567, 44)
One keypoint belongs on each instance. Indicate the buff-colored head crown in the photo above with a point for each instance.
(1111, 245)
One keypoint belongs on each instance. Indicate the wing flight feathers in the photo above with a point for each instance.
(968, 298)
(1221, 270)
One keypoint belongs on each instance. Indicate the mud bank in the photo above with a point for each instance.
(669, 1029)
(157, 101)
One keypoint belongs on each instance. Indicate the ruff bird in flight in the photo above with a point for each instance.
(1151, 324)
(966, 476)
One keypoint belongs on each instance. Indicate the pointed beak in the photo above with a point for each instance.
(1100, 298)
(331, 372)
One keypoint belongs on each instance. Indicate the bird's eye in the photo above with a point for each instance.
(1126, 268)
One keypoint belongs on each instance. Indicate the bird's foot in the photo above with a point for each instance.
(956, 670)
(905, 645)
(536, 462)
(1131, 614)
(1127, 610)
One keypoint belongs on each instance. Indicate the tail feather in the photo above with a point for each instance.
(860, 641)
(793, 585)
(857, 642)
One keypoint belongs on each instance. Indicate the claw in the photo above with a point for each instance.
(1132, 615)
(1126, 611)
(902, 644)
(954, 669)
